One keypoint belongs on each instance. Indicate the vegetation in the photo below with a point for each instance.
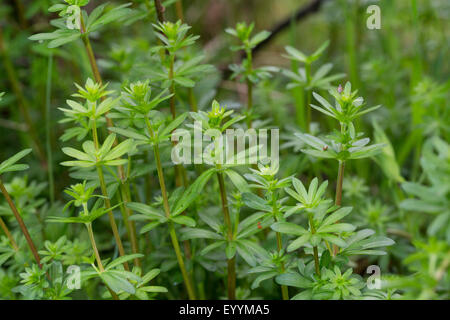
(99, 98)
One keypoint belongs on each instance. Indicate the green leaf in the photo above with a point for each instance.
(119, 150)
(230, 250)
(238, 181)
(191, 233)
(122, 260)
(293, 280)
(337, 215)
(297, 243)
(9, 162)
(188, 221)
(288, 228)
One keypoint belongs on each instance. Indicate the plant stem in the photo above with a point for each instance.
(101, 178)
(192, 101)
(159, 10)
(226, 214)
(315, 251)
(338, 201)
(172, 232)
(21, 224)
(179, 8)
(249, 87)
(340, 180)
(94, 247)
(97, 255)
(8, 234)
(123, 187)
(51, 181)
(284, 289)
(307, 94)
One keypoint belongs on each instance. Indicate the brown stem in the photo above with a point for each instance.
(179, 8)
(21, 224)
(159, 10)
(8, 234)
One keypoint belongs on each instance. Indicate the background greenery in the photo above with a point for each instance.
(401, 193)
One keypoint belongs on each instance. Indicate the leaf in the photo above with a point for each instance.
(188, 221)
(149, 226)
(230, 250)
(122, 260)
(293, 280)
(9, 162)
(238, 181)
(263, 276)
(117, 283)
(194, 233)
(296, 54)
(288, 228)
(192, 192)
(297, 243)
(255, 202)
(149, 211)
(119, 150)
(337, 215)
(336, 228)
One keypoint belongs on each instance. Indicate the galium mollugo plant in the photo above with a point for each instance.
(270, 206)
(112, 274)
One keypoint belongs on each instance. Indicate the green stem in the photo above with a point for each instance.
(284, 289)
(51, 181)
(103, 188)
(307, 94)
(97, 256)
(192, 101)
(315, 251)
(21, 224)
(226, 214)
(249, 87)
(340, 181)
(172, 232)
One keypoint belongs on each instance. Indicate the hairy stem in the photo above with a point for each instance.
(226, 214)
(21, 224)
